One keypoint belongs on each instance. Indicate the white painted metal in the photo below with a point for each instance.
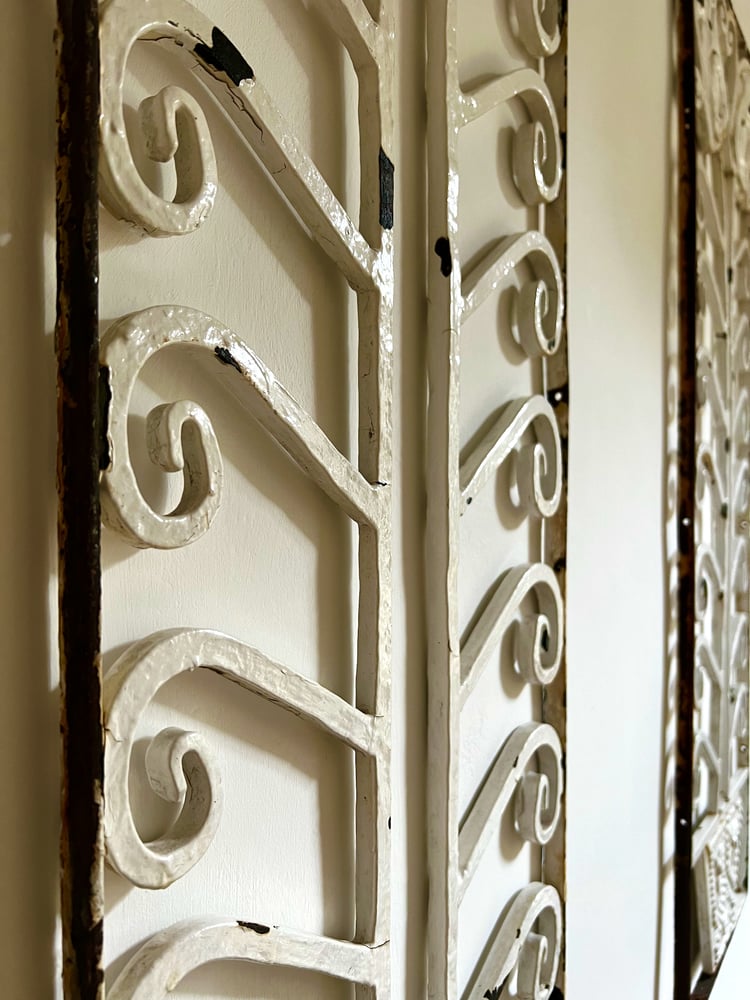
(180, 438)
(161, 964)
(720, 814)
(129, 688)
(528, 941)
(528, 770)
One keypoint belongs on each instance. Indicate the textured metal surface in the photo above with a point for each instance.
(686, 222)
(531, 433)
(713, 491)
(365, 257)
(76, 333)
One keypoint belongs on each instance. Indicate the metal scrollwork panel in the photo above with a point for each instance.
(524, 448)
(180, 438)
(721, 451)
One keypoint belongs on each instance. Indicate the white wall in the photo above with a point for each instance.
(286, 791)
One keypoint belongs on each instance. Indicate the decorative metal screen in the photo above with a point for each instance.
(712, 788)
(95, 399)
(523, 446)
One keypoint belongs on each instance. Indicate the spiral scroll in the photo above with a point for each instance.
(715, 57)
(539, 465)
(180, 435)
(172, 121)
(179, 765)
(539, 25)
(175, 128)
(741, 142)
(539, 636)
(528, 941)
(537, 150)
(538, 306)
(537, 795)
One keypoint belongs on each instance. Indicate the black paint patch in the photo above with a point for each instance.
(227, 358)
(223, 55)
(493, 994)
(250, 926)
(105, 398)
(556, 994)
(386, 191)
(443, 250)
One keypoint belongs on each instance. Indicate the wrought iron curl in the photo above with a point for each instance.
(528, 942)
(538, 639)
(539, 25)
(538, 305)
(173, 124)
(539, 463)
(179, 765)
(537, 149)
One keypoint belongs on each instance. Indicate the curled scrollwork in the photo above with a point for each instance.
(716, 46)
(539, 464)
(539, 25)
(538, 306)
(158, 967)
(537, 794)
(173, 124)
(741, 347)
(178, 763)
(180, 435)
(528, 941)
(741, 143)
(537, 150)
(174, 127)
(708, 581)
(539, 635)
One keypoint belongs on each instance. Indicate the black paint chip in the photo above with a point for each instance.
(386, 191)
(223, 55)
(226, 358)
(443, 250)
(105, 398)
(248, 925)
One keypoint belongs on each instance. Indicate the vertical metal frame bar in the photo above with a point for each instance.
(686, 446)
(711, 832)
(529, 940)
(79, 438)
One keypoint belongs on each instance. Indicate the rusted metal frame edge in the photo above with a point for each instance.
(554, 697)
(79, 442)
(686, 481)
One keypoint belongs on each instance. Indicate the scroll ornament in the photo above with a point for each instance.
(180, 436)
(179, 765)
(539, 25)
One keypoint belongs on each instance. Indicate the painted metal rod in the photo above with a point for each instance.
(79, 445)
(686, 500)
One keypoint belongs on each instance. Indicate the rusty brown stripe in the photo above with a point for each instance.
(687, 257)
(79, 438)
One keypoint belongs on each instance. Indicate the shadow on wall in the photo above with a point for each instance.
(29, 704)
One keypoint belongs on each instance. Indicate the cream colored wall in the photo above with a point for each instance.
(283, 837)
